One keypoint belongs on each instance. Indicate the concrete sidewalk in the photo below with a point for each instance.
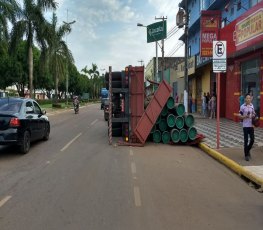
(231, 151)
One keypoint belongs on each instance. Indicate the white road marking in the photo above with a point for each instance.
(133, 168)
(93, 122)
(131, 152)
(3, 201)
(68, 144)
(137, 197)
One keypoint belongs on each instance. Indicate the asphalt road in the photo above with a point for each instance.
(77, 181)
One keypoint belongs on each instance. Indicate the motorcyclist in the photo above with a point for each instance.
(76, 104)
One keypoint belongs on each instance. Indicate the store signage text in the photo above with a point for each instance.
(249, 28)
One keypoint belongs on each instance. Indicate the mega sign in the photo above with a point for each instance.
(210, 23)
(249, 28)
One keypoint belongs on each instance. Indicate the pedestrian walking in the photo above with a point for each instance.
(204, 105)
(207, 104)
(213, 107)
(246, 113)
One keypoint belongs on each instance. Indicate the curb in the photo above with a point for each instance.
(240, 170)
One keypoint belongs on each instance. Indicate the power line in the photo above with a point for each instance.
(176, 47)
(172, 34)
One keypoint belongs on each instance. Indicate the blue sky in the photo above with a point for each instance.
(105, 32)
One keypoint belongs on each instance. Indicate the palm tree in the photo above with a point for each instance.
(58, 54)
(94, 73)
(8, 12)
(32, 24)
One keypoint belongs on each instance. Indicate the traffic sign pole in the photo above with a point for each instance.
(219, 65)
(218, 112)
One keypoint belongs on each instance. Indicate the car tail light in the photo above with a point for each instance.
(14, 122)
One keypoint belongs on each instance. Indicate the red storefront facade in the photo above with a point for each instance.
(244, 74)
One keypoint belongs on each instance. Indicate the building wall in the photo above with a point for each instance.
(194, 42)
(206, 79)
(194, 7)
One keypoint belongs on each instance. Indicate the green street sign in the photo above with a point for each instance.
(156, 31)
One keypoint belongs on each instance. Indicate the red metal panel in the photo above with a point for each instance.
(136, 95)
(153, 111)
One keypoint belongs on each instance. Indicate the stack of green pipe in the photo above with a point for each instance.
(170, 103)
(175, 135)
(157, 136)
(163, 125)
(189, 120)
(171, 120)
(179, 122)
(166, 137)
(173, 125)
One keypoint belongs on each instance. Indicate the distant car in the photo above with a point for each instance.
(106, 109)
(21, 122)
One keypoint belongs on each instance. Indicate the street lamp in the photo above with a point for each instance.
(67, 23)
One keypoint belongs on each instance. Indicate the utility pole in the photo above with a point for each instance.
(68, 23)
(156, 62)
(67, 67)
(141, 61)
(162, 18)
(186, 58)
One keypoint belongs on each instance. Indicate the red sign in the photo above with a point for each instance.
(210, 24)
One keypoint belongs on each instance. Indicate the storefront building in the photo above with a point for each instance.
(244, 38)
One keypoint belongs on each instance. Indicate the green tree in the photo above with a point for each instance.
(8, 12)
(33, 25)
(93, 75)
(58, 53)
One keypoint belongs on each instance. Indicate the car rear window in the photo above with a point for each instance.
(10, 106)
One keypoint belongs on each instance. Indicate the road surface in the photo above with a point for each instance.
(77, 181)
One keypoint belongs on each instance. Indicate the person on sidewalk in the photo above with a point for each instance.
(204, 105)
(213, 107)
(246, 113)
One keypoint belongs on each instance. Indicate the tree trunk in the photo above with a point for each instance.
(56, 90)
(30, 65)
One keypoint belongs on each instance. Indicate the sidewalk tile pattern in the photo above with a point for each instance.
(231, 133)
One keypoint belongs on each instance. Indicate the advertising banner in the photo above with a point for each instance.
(210, 24)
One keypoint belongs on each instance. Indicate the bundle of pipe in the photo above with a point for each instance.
(173, 125)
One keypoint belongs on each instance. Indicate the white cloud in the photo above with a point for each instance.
(105, 31)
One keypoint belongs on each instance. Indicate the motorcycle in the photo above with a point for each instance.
(76, 108)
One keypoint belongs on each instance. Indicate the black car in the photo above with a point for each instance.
(21, 122)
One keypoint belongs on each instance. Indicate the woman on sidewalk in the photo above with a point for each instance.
(246, 113)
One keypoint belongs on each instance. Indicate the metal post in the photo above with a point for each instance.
(162, 48)
(163, 56)
(218, 112)
(186, 59)
(110, 105)
(67, 68)
(156, 62)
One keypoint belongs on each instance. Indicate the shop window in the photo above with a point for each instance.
(250, 81)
